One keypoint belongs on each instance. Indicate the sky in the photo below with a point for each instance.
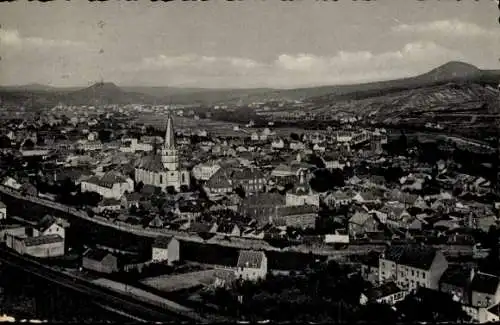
(241, 44)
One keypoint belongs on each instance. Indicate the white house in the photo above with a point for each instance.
(111, 185)
(50, 226)
(132, 145)
(12, 183)
(278, 144)
(166, 249)
(252, 265)
(205, 171)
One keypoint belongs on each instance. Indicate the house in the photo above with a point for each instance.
(412, 266)
(297, 216)
(99, 260)
(13, 231)
(43, 246)
(278, 144)
(228, 229)
(369, 267)
(485, 290)
(205, 171)
(421, 204)
(361, 223)
(297, 145)
(366, 197)
(109, 204)
(339, 237)
(110, 185)
(166, 249)
(251, 265)
(261, 206)
(49, 226)
(3, 211)
(338, 198)
(156, 222)
(226, 179)
(394, 214)
(387, 293)
(456, 281)
(131, 199)
(12, 183)
(334, 161)
(223, 278)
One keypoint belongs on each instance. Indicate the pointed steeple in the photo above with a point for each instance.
(169, 134)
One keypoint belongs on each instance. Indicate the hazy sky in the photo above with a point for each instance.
(249, 43)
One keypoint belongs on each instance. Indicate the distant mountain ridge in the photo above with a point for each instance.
(109, 93)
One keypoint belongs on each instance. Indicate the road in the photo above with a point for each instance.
(109, 299)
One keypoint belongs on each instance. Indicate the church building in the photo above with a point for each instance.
(161, 169)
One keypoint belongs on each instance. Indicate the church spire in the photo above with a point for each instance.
(169, 134)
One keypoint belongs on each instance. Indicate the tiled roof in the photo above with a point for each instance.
(246, 173)
(359, 218)
(96, 254)
(296, 210)
(151, 163)
(485, 283)
(250, 259)
(457, 275)
(226, 227)
(199, 227)
(41, 240)
(383, 290)
(109, 202)
(264, 199)
(420, 257)
(162, 242)
(108, 179)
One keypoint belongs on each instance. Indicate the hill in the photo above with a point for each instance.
(109, 93)
(104, 93)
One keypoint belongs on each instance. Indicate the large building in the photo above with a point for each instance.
(411, 267)
(161, 169)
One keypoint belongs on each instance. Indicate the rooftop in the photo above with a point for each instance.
(250, 259)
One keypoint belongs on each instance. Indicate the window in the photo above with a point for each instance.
(412, 272)
(423, 275)
(161, 179)
(183, 178)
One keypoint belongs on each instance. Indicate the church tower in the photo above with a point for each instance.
(169, 155)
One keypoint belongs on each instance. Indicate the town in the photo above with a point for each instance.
(170, 205)
(250, 162)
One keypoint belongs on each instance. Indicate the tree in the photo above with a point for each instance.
(316, 161)
(28, 144)
(324, 180)
(105, 135)
(240, 191)
(294, 136)
(5, 142)
(139, 186)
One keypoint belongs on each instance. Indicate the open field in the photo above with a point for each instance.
(169, 283)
